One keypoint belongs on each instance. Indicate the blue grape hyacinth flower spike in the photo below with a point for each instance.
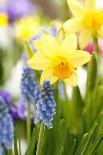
(6, 127)
(45, 107)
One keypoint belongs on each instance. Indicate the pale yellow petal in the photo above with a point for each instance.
(91, 4)
(73, 80)
(48, 45)
(69, 44)
(75, 7)
(100, 32)
(84, 38)
(79, 58)
(73, 25)
(47, 75)
(39, 61)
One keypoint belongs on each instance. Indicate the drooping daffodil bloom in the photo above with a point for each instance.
(26, 27)
(87, 20)
(58, 58)
(3, 19)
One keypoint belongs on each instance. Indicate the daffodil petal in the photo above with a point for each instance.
(39, 61)
(75, 7)
(48, 45)
(68, 44)
(100, 32)
(91, 4)
(73, 80)
(73, 25)
(79, 58)
(47, 75)
(84, 38)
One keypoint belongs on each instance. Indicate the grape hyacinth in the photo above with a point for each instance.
(29, 86)
(45, 107)
(7, 97)
(6, 127)
(18, 110)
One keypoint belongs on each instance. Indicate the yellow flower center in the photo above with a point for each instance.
(63, 70)
(93, 20)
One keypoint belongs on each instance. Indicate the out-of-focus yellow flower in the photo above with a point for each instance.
(3, 19)
(58, 59)
(27, 27)
(88, 20)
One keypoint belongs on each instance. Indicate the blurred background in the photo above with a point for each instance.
(20, 20)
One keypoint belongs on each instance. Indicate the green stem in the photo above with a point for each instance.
(19, 147)
(56, 118)
(28, 125)
(8, 152)
(65, 92)
(15, 144)
(41, 135)
(95, 45)
(91, 82)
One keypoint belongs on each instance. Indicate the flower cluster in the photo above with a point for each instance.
(45, 107)
(29, 86)
(6, 126)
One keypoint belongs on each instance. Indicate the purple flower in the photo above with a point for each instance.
(17, 8)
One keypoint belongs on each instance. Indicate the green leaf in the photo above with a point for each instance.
(85, 141)
(60, 137)
(32, 145)
(97, 101)
(82, 144)
(94, 145)
(72, 150)
(72, 112)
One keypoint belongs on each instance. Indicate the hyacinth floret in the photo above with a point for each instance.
(45, 107)
(6, 127)
(29, 85)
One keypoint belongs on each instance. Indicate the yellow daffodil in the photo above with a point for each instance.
(58, 59)
(88, 20)
(3, 19)
(27, 27)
